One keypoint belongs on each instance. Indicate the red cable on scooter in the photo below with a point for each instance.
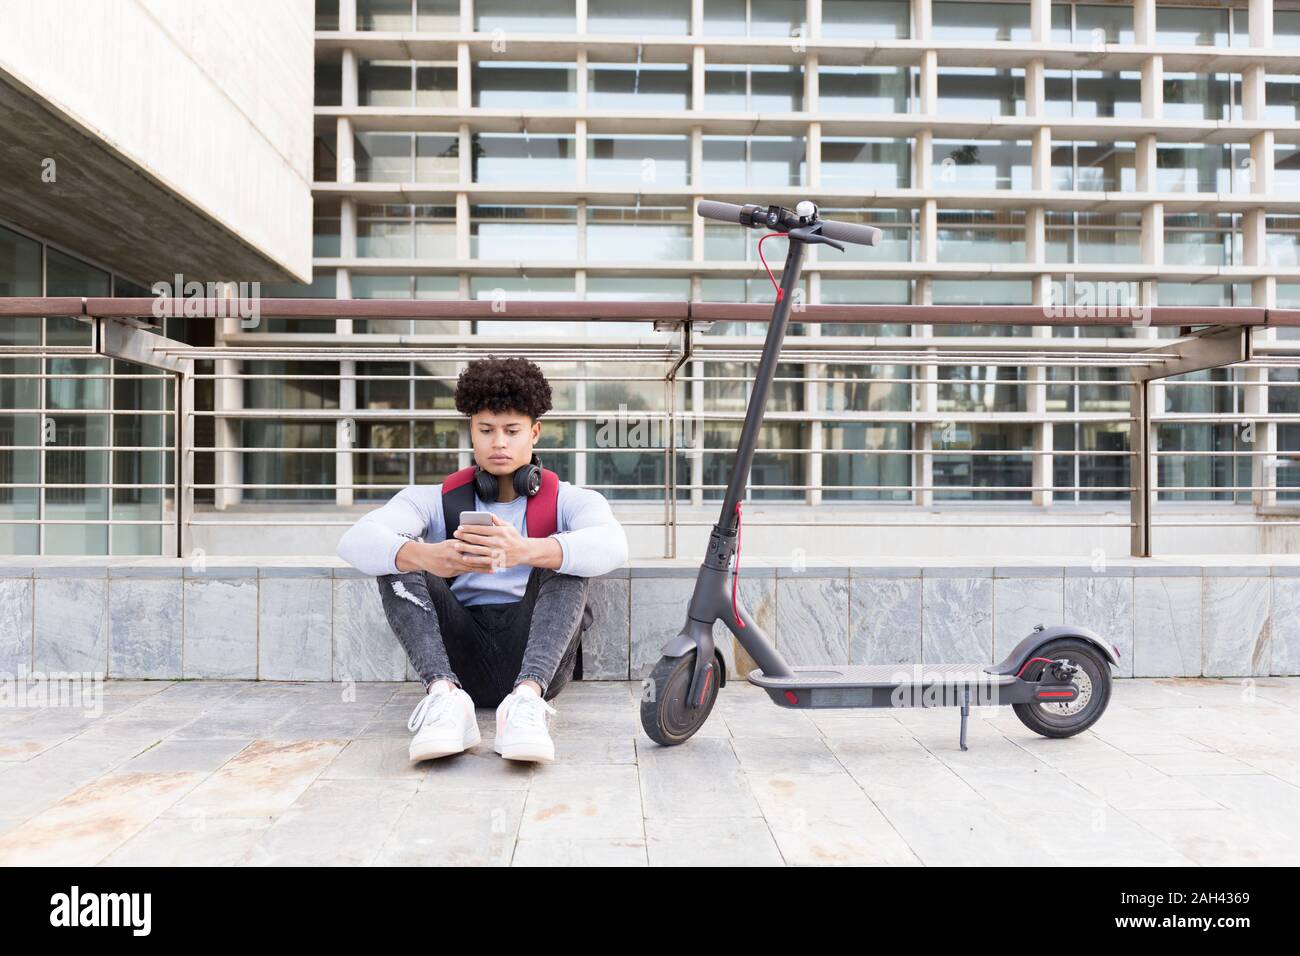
(780, 293)
(735, 572)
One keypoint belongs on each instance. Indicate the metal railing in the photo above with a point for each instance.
(680, 361)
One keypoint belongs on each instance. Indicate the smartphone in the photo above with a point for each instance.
(475, 517)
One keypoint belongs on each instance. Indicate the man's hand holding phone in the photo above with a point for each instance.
(496, 546)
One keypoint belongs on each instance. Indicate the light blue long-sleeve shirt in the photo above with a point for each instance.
(592, 540)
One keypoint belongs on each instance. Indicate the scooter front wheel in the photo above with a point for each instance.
(665, 714)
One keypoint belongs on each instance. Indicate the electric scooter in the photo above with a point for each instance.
(1057, 679)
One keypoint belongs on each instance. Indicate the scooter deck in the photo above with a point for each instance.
(888, 685)
(881, 675)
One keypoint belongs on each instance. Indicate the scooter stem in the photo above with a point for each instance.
(758, 400)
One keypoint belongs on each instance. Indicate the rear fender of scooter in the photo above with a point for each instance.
(1036, 639)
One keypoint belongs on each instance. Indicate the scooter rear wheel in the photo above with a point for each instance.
(1093, 681)
(667, 719)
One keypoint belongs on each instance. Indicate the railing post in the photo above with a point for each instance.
(1141, 476)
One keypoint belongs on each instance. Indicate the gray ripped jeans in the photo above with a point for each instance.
(489, 648)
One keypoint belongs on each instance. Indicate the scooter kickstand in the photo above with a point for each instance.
(965, 712)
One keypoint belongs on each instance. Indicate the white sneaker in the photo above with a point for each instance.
(443, 722)
(523, 728)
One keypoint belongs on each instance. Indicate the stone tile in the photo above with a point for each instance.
(295, 628)
(183, 756)
(583, 801)
(957, 620)
(1021, 602)
(220, 627)
(1167, 626)
(546, 851)
(812, 619)
(884, 620)
(1237, 632)
(191, 840)
(658, 614)
(334, 823)
(606, 645)
(1285, 624)
(693, 779)
(145, 628)
(71, 615)
(16, 626)
(721, 841)
(365, 647)
(455, 828)
(376, 757)
(826, 819)
(264, 779)
(1104, 603)
(85, 826)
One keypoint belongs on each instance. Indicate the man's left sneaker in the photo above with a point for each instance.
(523, 728)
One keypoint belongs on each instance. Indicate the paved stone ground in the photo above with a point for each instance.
(1180, 772)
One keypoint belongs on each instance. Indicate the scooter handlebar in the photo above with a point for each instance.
(831, 229)
(851, 232)
(722, 211)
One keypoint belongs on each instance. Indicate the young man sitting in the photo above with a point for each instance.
(490, 615)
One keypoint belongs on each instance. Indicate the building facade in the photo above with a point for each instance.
(1098, 155)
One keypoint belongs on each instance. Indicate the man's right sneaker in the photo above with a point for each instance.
(443, 722)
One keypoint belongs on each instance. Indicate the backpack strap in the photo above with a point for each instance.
(541, 515)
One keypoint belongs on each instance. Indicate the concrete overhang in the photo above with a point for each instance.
(103, 204)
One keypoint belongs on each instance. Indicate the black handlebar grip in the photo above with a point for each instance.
(851, 232)
(722, 211)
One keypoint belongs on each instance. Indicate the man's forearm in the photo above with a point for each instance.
(545, 552)
(410, 556)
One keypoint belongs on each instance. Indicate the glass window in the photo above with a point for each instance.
(1197, 96)
(853, 466)
(1096, 23)
(954, 20)
(999, 465)
(383, 157)
(639, 160)
(981, 236)
(385, 83)
(435, 84)
(981, 164)
(1200, 239)
(980, 91)
(437, 158)
(442, 16)
(1199, 26)
(879, 20)
(671, 17)
(862, 89)
(523, 232)
(1286, 29)
(754, 161)
(531, 16)
(780, 18)
(382, 14)
(1193, 167)
(20, 265)
(635, 234)
(644, 87)
(508, 85)
(1282, 99)
(866, 164)
(514, 158)
(1104, 94)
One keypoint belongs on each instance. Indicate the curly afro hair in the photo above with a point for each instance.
(503, 385)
